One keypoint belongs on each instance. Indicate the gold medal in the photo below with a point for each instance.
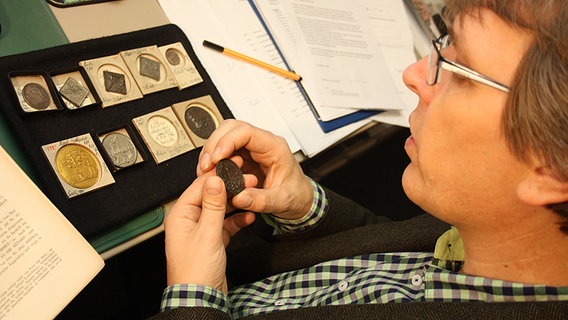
(77, 166)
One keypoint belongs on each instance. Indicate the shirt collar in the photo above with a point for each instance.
(449, 252)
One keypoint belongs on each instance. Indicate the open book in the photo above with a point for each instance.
(44, 261)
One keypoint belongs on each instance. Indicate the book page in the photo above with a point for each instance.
(44, 261)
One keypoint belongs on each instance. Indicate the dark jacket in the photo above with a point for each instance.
(349, 230)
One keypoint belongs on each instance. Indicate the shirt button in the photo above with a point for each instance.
(342, 286)
(279, 302)
(416, 280)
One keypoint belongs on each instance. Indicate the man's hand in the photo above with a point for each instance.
(197, 234)
(267, 162)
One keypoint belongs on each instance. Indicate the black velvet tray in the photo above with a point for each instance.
(137, 189)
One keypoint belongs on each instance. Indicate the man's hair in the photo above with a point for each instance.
(535, 118)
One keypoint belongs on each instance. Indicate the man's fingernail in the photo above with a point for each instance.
(204, 161)
(246, 199)
(216, 156)
(214, 186)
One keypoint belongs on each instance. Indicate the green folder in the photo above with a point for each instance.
(28, 25)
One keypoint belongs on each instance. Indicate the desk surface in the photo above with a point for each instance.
(108, 18)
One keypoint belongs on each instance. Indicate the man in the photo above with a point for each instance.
(488, 156)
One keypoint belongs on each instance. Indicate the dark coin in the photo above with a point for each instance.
(36, 96)
(231, 175)
(115, 82)
(173, 57)
(150, 68)
(200, 122)
(73, 91)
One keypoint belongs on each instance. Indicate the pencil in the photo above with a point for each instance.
(269, 67)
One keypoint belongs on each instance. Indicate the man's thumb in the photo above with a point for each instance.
(214, 203)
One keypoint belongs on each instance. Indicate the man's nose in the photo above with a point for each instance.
(414, 77)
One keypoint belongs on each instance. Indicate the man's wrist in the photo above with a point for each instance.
(316, 212)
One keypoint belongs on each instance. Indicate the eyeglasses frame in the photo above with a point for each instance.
(443, 63)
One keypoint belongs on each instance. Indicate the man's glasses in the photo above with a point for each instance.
(436, 62)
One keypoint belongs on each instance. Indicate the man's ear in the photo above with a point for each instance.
(541, 187)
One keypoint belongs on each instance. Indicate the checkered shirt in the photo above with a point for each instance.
(364, 279)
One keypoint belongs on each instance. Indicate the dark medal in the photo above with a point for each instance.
(231, 175)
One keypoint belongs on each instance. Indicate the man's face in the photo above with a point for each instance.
(461, 169)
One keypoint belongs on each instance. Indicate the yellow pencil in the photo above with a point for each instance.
(269, 67)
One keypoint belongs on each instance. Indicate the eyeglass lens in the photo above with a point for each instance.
(433, 65)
